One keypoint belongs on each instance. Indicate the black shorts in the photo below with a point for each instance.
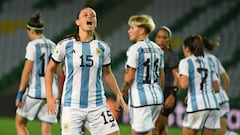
(166, 93)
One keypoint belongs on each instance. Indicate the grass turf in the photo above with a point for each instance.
(7, 127)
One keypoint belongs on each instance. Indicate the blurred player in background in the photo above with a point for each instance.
(31, 101)
(87, 61)
(198, 77)
(144, 76)
(224, 82)
(171, 61)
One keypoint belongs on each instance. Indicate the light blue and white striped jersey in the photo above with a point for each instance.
(201, 74)
(219, 69)
(39, 51)
(83, 87)
(147, 58)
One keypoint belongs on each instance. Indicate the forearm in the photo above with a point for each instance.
(128, 80)
(225, 81)
(24, 81)
(175, 77)
(25, 75)
(51, 68)
(112, 84)
(162, 78)
(125, 87)
(110, 80)
(48, 83)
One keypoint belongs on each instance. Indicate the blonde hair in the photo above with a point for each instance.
(144, 21)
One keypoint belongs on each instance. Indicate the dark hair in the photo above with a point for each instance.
(209, 45)
(195, 44)
(35, 23)
(167, 30)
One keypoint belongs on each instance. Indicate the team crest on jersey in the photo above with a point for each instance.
(98, 51)
(57, 52)
(65, 127)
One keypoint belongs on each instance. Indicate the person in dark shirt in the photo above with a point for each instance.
(171, 61)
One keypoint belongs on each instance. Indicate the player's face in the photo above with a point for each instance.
(87, 19)
(162, 39)
(135, 32)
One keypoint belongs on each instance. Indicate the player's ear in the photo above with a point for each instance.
(77, 22)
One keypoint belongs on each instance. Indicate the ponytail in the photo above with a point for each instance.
(195, 44)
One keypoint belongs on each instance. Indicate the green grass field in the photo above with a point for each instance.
(7, 127)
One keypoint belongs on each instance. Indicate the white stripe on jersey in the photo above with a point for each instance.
(83, 86)
(147, 58)
(219, 69)
(39, 52)
(201, 94)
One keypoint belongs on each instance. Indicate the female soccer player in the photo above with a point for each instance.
(198, 77)
(144, 76)
(87, 61)
(224, 82)
(31, 102)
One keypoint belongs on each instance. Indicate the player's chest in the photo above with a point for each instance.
(85, 56)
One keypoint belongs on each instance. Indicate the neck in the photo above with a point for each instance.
(85, 36)
(38, 36)
(141, 38)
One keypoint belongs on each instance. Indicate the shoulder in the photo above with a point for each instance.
(66, 41)
(100, 42)
(159, 48)
(187, 59)
(32, 43)
(50, 41)
(134, 48)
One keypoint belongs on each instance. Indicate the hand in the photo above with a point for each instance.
(169, 102)
(18, 103)
(51, 105)
(120, 103)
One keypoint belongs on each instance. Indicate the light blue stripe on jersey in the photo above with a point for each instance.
(203, 95)
(84, 89)
(69, 57)
(140, 73)
(99, 99)
(211, 67)
(152, 65)
(38, 66)
(48, 49)
(192, 84)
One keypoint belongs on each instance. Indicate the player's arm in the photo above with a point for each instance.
(225, 81)
(61, 79)
(112, 84)
(28, 65)
(216, 86)
(175, 77)
(128, 79)
(50, 71)
(162, 78)
(183, 82)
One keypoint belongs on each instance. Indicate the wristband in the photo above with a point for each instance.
(19, 95)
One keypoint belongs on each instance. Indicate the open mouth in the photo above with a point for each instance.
(89, 23)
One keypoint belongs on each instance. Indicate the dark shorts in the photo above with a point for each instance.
(166, 93)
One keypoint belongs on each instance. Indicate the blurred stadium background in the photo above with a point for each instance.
(184, 17)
